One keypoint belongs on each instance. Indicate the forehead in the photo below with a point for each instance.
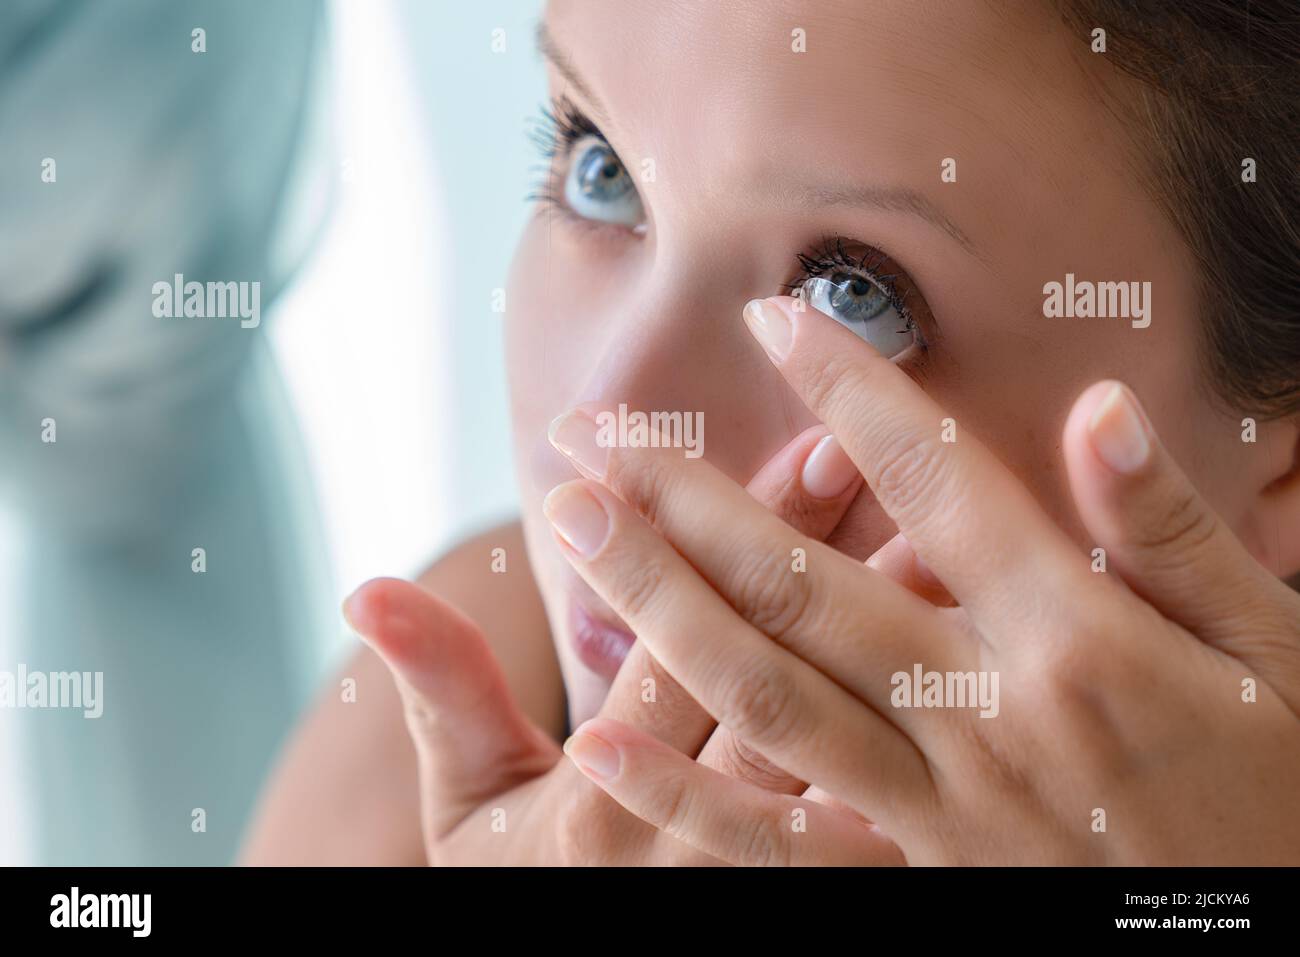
(885, 90)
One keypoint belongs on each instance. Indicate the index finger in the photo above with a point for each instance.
(643, 694)
(972, 522)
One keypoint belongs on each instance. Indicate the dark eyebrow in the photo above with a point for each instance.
(548, 48)
(814, 196)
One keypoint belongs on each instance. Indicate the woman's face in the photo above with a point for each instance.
(743, 153)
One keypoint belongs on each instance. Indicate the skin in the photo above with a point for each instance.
(1138, 705)
(758, 171)
(607, 317)
(473, 742)
(346, 790)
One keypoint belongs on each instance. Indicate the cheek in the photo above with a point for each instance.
(543, 345)
(1013, 395)
(606, 325)
(525, 316)
(1026, 444)
(1206, 442)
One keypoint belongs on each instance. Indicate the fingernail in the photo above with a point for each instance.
(769, 324)
(579, 518)
(1117, 432)
(575, 435)
(829, 471)
(592, 755)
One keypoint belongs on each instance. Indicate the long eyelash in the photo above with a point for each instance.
(830, 255)
(560, 125)
(554, 131)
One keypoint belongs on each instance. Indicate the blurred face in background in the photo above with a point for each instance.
(701, 159)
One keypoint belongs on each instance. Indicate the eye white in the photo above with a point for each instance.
(598, 187)
(887, 332)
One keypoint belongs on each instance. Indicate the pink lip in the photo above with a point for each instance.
(599, 645)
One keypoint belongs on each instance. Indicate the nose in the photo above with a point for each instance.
(679, 345)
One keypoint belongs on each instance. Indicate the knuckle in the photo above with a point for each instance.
(760, 844)
(1075, 694)
(642, 585)
(1183, 520)
(671, 805)
(1064, 673)
(642, 479)
(1079, 671)
(797, 509)
(759, 703)
(768, 595)
(838, 386)
(740, 761)
(910, 467)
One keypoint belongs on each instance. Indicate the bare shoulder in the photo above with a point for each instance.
(487, 576)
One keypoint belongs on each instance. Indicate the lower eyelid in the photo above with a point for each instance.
(588, 228)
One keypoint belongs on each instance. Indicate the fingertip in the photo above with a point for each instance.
(618, 734)
(1110, 420)
(771, 324)
(579, 517)
(1086, 405)
(593, 754)
(1093, 437)
(799, 447)
(375, 601)
(413, 631)
(828, 473)
(607, 728)
(777, 472)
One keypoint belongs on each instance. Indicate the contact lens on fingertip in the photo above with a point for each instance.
(863, 307)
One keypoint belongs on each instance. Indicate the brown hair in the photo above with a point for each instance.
(1220, 84)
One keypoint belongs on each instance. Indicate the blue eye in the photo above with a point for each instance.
(598, 186)
(863, 307)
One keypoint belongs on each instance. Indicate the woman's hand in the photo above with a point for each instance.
(493, 786)
(1144, 714)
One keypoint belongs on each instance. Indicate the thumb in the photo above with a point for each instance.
(471, 739)
(1163, 538)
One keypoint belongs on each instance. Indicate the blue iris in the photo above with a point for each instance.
(862, 307)
(598, 185)
(856, 298)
